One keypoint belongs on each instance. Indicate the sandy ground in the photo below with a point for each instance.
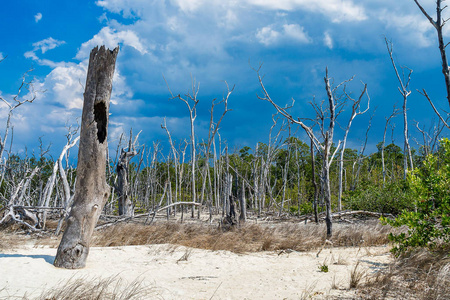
(177, 272)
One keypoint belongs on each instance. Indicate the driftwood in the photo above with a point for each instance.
(346, 214)
(146, 214)
(20, 215)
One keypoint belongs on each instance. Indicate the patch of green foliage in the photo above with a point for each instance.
(428, 225)
(305, 208)
(323, 268)
(393, 198)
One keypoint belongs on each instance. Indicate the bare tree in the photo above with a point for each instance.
(213, 129)
(324, 144)
(439, 24)
(316, 188)
(388, 119)
(187, 99)
(91, 191)
(356, 110)
(404, 90)
(17, 100)
(361, 153)
(123, 187)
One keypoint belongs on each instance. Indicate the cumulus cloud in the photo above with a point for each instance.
(47, 44)
(415, 27)
(268, 35)
(44, 46)
(327, 40)
(64, 85)
(111, 38)
(336, 10)
(296, 32)
(37, 17)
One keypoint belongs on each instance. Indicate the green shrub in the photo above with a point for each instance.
(305, 208)
(391, 199)
(428, 225)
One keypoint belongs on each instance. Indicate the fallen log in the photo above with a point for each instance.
(146, 214)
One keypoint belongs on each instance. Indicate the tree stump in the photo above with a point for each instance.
(91, 190)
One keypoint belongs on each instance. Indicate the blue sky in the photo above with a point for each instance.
(214, 41)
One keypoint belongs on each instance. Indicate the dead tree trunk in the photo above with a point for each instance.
(394, 113)
(356, 110)
(243, 204)
(327, 134)
(92, 191)
(404, 90)
(316, 190)
(122, 188)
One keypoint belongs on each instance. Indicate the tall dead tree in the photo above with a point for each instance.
(405, 92)
(122, 188)
(213, 129)
(191, 97)
(388, 119)
(17, 101)
(439, 24)
(91, 190)
(316, 189)
(323, 143)
(356, 110)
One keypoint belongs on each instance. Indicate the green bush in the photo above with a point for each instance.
(391, 199)
(428, 225)
(304, 209)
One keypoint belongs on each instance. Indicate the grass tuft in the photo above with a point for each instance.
(420, 274)
(112, 288)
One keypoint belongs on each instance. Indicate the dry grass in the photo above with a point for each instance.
(10, 240)
(356, 275)
(248, 238)
(417, 275)
(99, 289)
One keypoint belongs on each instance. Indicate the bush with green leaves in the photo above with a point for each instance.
(428, 224)
(305, 208)
(391, 199)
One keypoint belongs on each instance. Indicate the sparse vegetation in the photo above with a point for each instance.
(99, 289)
(248, 238)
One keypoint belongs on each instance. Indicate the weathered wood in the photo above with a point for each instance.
(122, 189)
(91, 190)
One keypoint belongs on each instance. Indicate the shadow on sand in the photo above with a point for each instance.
(48, 258)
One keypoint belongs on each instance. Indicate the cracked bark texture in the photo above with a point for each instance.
(91, 191)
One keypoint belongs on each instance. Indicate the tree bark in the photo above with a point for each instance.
(123, 186)
(92, 191)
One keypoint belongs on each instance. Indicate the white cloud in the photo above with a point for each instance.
(44, 46)
(416, 28)
(288, 32)
(64, 85)
(296, 32)
(1, 56)
(111, 38)
(336, 10)
(190, 5)
(37, 17)
(327, 40)
(31, 54)
(47, 44)
(267, 35)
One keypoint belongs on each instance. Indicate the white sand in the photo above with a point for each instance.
(204, 275)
